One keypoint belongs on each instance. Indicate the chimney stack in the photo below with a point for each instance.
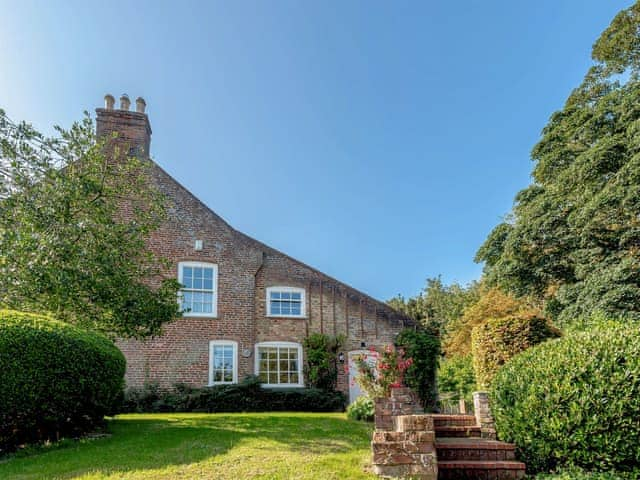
(132, 129)
(140, 105)
(124, 102)
(109, 101)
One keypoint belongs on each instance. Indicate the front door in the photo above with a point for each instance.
(354, 388)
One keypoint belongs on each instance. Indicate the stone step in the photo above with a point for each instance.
(480, 470)
(458, 431)
(452, 449)
(441, 420)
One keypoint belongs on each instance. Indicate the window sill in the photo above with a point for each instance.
(297, 317)
(199, 315)
(289, 385)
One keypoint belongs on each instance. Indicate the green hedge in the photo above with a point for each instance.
(498, 340)
(423, 347)
(246, 396)
(56, 379)
(574, 401)
(456, 375)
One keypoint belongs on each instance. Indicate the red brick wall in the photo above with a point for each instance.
(246, 268)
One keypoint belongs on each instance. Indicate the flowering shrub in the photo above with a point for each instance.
(379, 372)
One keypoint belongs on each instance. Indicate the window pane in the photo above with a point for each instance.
(207, 284)
(197, 272)
(196, 308)
(264, 378)
(207, 308)
(208, 273)
(197, 283)
(284, 377)
(187, 299)
(275, 295)
(285, 308)
(217, 375)
(294, 377)
(295, 296)
(295, 310)
(228, 376)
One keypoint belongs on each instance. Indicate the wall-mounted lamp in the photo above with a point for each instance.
(341, 357)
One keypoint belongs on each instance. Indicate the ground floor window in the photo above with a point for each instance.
(223, 363)
(279, 364)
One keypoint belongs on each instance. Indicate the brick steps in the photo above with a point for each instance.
(463, 449)
(475, 470)
(458, 431)
(440, 420)
(463, 455)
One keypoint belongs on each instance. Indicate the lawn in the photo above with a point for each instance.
(208, 446)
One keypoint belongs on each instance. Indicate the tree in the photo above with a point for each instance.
(438, 304)
(492, 304)
(73, 224)
(573, 238)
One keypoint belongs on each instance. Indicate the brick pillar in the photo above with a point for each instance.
(408, 451)
(483, 415)
(401, 402)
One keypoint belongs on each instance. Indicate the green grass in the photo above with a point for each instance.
(209, 446)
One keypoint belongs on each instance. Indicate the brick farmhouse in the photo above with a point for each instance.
(248, 307)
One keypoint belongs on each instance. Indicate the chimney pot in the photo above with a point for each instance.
(140, 105)
(124, 102)
(109, 101)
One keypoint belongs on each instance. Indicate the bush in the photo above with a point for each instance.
(578, 474)
(321, 360)
(362, 409)
(498, 340)
(456, 376)
(246, 396)
(57, 380)
(423, 347)
(574, 401)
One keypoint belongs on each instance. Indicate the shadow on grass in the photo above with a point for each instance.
(140, 442)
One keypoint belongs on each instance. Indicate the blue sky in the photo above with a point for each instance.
(377, 141)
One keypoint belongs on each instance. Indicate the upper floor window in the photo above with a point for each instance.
(285, 302)
(199, 294)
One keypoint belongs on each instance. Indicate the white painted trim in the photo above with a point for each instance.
(214, 307)
(303, 300)
(232, 343)
(300, 383)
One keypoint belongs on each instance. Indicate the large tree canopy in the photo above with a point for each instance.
(574, 235)
(73, 223)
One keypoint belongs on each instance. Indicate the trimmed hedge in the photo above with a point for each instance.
(574, 401)
(57, 379)
(498, 340)
(246, 396)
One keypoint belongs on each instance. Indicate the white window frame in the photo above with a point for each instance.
(303, 301)
(223, 343)
(214, 306)
(300, 383)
